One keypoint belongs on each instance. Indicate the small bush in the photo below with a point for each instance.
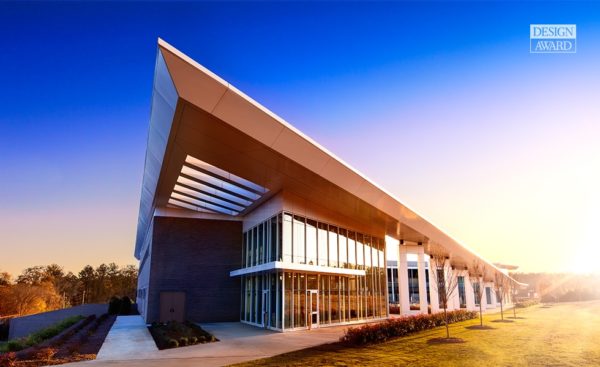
(114, 305)
(183, 341)
(527, 303)
(173, 343)
(15, 345)
(193, 340)
(380, 332)
(125, 308)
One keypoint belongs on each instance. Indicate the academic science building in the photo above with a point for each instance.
(244, 218)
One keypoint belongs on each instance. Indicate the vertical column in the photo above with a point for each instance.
(469, 294)
(493, 295)
(422, 281)
(450, 297)
(483, 296)
(403, 281)
(455, 297)
(433, 295)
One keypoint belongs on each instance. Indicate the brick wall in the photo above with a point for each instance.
(195, 256)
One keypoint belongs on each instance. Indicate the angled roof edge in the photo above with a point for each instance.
(218, 90)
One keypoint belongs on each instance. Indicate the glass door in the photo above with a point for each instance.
(312, 308)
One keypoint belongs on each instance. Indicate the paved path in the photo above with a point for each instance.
(128, 336)
(128, 345)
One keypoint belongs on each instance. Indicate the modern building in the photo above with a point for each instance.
(244, 218)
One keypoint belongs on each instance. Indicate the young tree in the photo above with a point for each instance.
(477, 273)
(445, 281)
(514, 290)
(501, 285)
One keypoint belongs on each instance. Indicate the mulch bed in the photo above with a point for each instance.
(79, 342)
(179, 334)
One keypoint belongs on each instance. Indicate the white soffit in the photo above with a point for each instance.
(206, 188)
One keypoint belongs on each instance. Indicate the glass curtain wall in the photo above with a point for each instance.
(280, 299)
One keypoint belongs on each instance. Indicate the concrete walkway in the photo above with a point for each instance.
(128, 335)
(128, 345)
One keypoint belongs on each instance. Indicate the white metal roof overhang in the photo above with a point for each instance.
(202, 129)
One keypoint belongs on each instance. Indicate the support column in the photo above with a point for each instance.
(469, 294)
(493, 292)
(483, 301)
(433, 295)
(422, 280)
(455, 296)
(403, 281)
(450, 305)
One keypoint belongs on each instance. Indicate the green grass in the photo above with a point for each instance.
(560, 335)
(3, 347)
(40, 336)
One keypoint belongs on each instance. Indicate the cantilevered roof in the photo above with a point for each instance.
(212, 149)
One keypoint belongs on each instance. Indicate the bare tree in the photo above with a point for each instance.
(477, 273)
(513, 295)
(501, 286)
(445, 281)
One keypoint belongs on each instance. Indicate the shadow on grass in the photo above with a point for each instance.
(480, 327)
(505, 321)
(517, 318)
(445, 341)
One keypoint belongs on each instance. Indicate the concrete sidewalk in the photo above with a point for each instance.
(128, 335)
(129, 345)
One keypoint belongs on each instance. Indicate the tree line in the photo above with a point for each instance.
(46, 288)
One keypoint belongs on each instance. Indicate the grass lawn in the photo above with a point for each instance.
(558, 335)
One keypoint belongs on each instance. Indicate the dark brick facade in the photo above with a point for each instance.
(195, 256)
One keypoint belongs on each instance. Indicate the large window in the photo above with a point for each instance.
(299, 245)
(287, 238)
(461, 292)
(311, 242)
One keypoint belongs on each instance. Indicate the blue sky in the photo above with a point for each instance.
(451, 84)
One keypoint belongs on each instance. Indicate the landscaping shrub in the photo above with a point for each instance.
(176, 334)
(125, 308)
(114, 305)
(380, 332)
(527, 303)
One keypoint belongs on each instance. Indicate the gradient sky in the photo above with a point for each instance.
(440, 103)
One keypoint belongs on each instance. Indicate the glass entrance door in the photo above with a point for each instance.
(312, 308)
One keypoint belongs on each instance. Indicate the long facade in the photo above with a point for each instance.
(244, 218)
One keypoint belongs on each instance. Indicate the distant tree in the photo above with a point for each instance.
(32, 276)
(5, 279)
(25, 299)
(445, 281)
(87, 279)
(477, 274)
